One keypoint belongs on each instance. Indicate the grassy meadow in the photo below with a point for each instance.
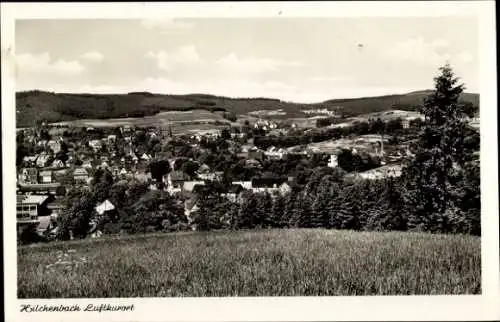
(303, 262)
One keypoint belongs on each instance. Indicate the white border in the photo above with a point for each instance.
(422, 308)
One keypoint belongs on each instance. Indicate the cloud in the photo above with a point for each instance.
(422, 51)
(169, 61)
(93, 56)
(253, 65)
(331, 79)
(28, 63)
(167, 25)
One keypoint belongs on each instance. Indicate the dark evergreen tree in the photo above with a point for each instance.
(277, 212)
(440, 154)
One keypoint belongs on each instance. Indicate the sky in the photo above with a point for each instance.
(293, 59)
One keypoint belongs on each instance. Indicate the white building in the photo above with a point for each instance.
(334, 161)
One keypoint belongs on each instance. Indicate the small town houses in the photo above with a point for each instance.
(43, 175)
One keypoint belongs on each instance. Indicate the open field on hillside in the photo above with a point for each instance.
(253, 263)
(160, 119)
(365, 143)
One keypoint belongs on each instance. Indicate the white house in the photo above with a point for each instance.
(333, 162)
(95, 144)
(104, 207)
(188, 186)
(247, 185)
(57, 164)
(45, 176)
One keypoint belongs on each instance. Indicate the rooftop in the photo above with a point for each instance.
(31, 199)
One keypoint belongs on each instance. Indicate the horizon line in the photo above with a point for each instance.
(234, 97)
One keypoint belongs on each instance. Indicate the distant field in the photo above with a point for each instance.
(162, 118)
(362, 142)
(253, 263)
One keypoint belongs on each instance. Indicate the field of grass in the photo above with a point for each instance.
(253, 263)
(160, 119)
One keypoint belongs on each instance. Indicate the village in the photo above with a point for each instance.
(56, 159)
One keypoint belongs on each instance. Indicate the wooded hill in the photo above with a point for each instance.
(33, 106)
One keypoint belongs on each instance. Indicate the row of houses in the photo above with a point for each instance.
(177, 182)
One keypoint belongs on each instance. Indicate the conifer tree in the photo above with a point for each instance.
(277, 211)
(440, 153)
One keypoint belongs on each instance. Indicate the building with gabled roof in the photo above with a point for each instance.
(104, 207)
(188, 186)
(28, 176)
(29, 208)
(45, 176)
(81, 174)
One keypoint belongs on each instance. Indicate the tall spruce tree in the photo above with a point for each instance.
(349, 207)
(322, 206)
(440, 153)
(246, 214)
(277, 211)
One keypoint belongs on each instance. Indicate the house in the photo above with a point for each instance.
(45, 224)
(54, 145)
(81, 174)
(190, 207)
(29, 208)
(237, 135)
(145, 157)
(42, 159)
(115, 171)
(274, 153)
(233, 192)
(28, 176)
(256, 154)
(39, 188)
(104, 165)
(95, 144)
(333, 162)
(141, 176)
(390, 170)
(87, 164)
(247, 185)
(55, 208)
(201, 189)
(270, 185)
(111, 138)
(45, 176)
(123, 172)
(203, 169)
(126, 129)
(188, 186)
(30, 161)
(104, 207)
(57, 164)
(42, 143)
(175, 181)
(134, 157)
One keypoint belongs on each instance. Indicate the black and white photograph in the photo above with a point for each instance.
(204, 156)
